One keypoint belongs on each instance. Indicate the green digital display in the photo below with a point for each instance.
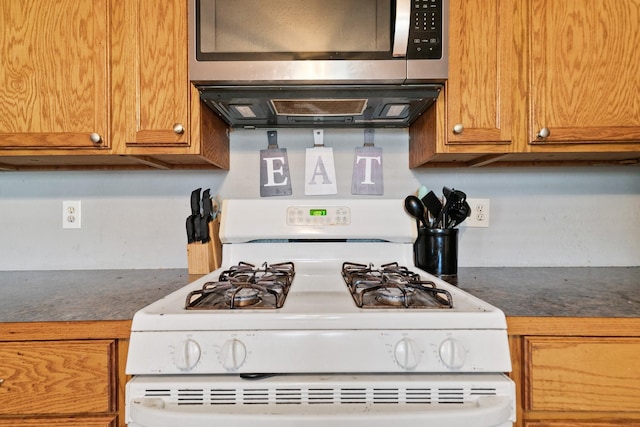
(318, 212)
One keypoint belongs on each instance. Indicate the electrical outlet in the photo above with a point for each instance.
(479, 213)
(71, 217)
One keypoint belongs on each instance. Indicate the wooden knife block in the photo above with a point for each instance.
(203, 258)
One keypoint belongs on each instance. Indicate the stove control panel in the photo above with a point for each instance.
(297, 351)
(318, 215)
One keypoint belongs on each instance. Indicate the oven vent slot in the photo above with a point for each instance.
(385, 395)
(288, 396)
(223, 396)
(353, 395)
(418, 395)
(255, 396)
(477, 391)
(450, 395)
(190, 396)
(321, 395)
(152, 392)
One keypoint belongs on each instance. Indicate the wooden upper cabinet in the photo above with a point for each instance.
(584, 71)
(54, 74)
(481, 57)
(480, 111)
(161, 74)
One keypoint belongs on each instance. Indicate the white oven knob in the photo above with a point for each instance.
(407, 353)
(233, 354)
(186, 355)
(452, 353)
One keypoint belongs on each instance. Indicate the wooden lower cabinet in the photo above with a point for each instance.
(102, 421)
(571, 424)
(577, 378)
(63, 374)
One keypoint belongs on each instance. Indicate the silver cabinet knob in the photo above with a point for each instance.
(544, 133)
(458, 129)
(178, 129)
(95, 138)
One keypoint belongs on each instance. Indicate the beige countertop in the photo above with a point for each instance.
(88, 295)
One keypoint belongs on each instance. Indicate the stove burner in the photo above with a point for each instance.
(392, 286)
(242, 297)
(394, 296)
(245, 286)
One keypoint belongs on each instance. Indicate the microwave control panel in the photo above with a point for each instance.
(425, 31)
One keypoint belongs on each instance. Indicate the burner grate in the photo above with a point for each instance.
(392, 286)
(245, 286)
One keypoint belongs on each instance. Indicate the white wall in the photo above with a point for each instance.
(539, 216)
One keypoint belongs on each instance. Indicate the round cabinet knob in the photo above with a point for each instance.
(233, 354)
(407, 353)
(458, 129)
(187, 355)
(95, 138)
(178, 129)
(544, 133)
(452, 353)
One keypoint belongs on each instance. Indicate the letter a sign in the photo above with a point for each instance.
(320, 172)
(274, 169)
(367, 168)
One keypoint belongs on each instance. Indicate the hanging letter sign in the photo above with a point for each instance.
(320, 171)
(367, 168)
(274, 169)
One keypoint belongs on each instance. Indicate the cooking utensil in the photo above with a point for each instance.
(458, 213)
(415, 208)
(433, 204)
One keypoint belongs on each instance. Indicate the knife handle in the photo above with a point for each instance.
(195, 202)
(191, 230)
(207, 205)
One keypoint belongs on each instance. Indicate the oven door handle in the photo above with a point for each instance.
(488, 411)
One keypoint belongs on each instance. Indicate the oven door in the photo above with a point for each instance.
(462, 400)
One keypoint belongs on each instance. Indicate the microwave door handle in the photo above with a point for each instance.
(401, 34)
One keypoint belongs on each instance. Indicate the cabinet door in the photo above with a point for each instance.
(54, 74)
(162, 80)
(481, 79)
(57, 377)
(585, 71)
(582, 374)
(102, 421)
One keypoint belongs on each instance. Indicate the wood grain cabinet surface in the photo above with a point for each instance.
(582, 374)
(585, 72)
(57, 377)
(54, 74)
(554, 81)
(63, 374)
(476, 113)
(576, 372)
(88, 84)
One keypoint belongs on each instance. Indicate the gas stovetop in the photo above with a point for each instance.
(341, 300)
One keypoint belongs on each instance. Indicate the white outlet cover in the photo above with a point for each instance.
(479, 217)
(71, 214)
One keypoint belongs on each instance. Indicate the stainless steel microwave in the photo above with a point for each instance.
(318, 41)
(308, 63)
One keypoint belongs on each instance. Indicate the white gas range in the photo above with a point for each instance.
(357, 335)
